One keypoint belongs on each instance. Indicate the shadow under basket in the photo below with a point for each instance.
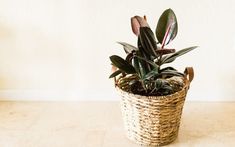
(153, 120)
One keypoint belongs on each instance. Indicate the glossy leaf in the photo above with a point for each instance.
(168, 68)
(162, 86)
(115, 73)
(151, 74)
(142, 52)
(149, 61)
(171, 58)
(171, 73)
(144, 67)
(165, 51)
(128, 47)
(129, 57)
(159, 83)
(122, 64)
(164, 58)
(135, 63)
(148, 41)
(167, 27)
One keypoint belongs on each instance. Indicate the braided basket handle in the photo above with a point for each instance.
(189, 73)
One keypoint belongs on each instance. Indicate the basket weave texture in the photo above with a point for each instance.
(153, 120)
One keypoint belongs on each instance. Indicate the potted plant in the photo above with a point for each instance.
(153, 94)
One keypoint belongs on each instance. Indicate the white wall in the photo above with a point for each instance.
(59, 49)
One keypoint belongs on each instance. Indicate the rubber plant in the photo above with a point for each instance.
(143, 64)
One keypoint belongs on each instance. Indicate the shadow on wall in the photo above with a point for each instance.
(207, 121)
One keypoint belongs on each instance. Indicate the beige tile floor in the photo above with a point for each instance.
(99, 124)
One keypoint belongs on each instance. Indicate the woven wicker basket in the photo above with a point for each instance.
(154, 120)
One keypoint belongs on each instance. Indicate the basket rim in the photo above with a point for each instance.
(185, 87)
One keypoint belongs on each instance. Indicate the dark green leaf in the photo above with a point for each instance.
(115, 73)
(167, 27)
(166, 89)
(165, 51)
(142, 53)
(171, 58)
(164, 58)
(135, 63)
(158, 83)
(142, 68)
(151, 74)
(163, 87)
(129, 57)
(122, 64)
(171, 73)
(148, 41)
(148, 61)
(128, 47)
(168, 68)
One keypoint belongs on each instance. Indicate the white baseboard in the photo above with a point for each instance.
(75, 95)
(54, 95)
